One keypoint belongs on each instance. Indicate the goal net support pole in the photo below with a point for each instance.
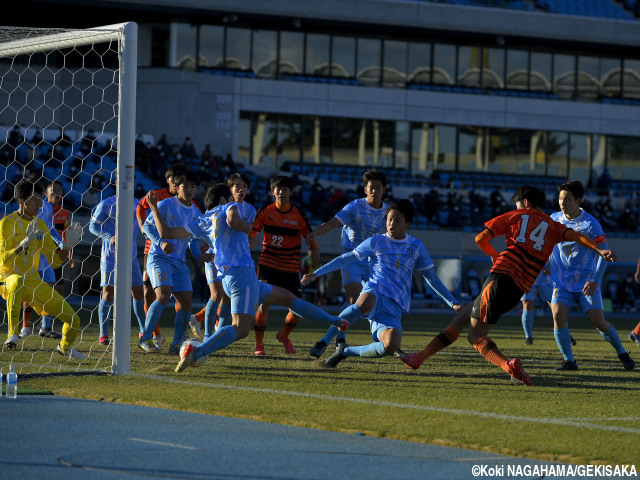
(124, 190)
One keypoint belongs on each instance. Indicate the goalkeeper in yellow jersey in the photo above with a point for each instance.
(23, 238)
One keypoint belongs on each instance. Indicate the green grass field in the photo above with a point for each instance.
(455, 399)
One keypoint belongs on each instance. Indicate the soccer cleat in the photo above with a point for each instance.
(49, 333)
(529, 341)
(318, 349)
(518, 373)
(148, 346)
(259, 351)
(196, 328)
(411, 360)
(186, 358)
(337, 357)
(341, 324)
(158, 340)
(288, 346)
(12, 341)
(70, 352)
(568, 365)
(573, 341)
(627, 361)
(25, 332)
(634, 338)
(174, 349)
(104, 340)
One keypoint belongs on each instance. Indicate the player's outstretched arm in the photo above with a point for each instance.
(324, 228)
(605, 253)
(335, 264)
(443, 292)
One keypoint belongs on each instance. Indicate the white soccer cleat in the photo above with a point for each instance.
(196, 328)
(159, 340)
(12, 341)
(70, 352)
(25, 332)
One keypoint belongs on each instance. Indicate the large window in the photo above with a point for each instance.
(211, 46)
(395, 59)
(579, 158)
(291, 52)
(557, 147)
(183, 46)
(343, 57)
(265, 53)
(517, 70)
(368, 63)
(624, 157)
(419, 62)
(317, 48)
(564, 75)
(540, 76)
(444, 64)
(631, 79)
(238, 48)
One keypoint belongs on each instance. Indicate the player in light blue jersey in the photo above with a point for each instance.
(386, 295)
(360, 220)
(103, 225)
(166, 262)
(544, 288)
(226, 229)
(577, 273)
(215, 196)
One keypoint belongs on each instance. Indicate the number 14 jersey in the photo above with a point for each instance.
(530, 236)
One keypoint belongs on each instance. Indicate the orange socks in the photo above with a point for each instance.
(290, 323)
(259, 325)
(26, 314)
(440, 341)
(637, 330)
(200, 315)
(489, 350)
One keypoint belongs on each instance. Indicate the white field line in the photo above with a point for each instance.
(577, 423)
(164, 444)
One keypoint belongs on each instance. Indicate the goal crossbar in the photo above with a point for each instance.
(64, 39)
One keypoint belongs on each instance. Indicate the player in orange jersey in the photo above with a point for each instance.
(530, 236)
(283, 224)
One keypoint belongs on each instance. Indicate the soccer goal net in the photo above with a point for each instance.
(67, 120)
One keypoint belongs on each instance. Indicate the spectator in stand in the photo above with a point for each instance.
(497, 202)
(163, 145)
(188, 151)
(140, 191)
(628, 221)
(88, 142)
(627, 294)
(431, 205)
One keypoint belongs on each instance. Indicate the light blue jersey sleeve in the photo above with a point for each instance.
(152, 234)
(203, 227)
(337, 263)
(99, 225)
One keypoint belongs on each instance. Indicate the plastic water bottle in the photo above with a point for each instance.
(12, 383)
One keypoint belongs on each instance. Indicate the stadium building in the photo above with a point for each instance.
(447, 95)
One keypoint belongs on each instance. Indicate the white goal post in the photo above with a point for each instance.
(38, 107)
